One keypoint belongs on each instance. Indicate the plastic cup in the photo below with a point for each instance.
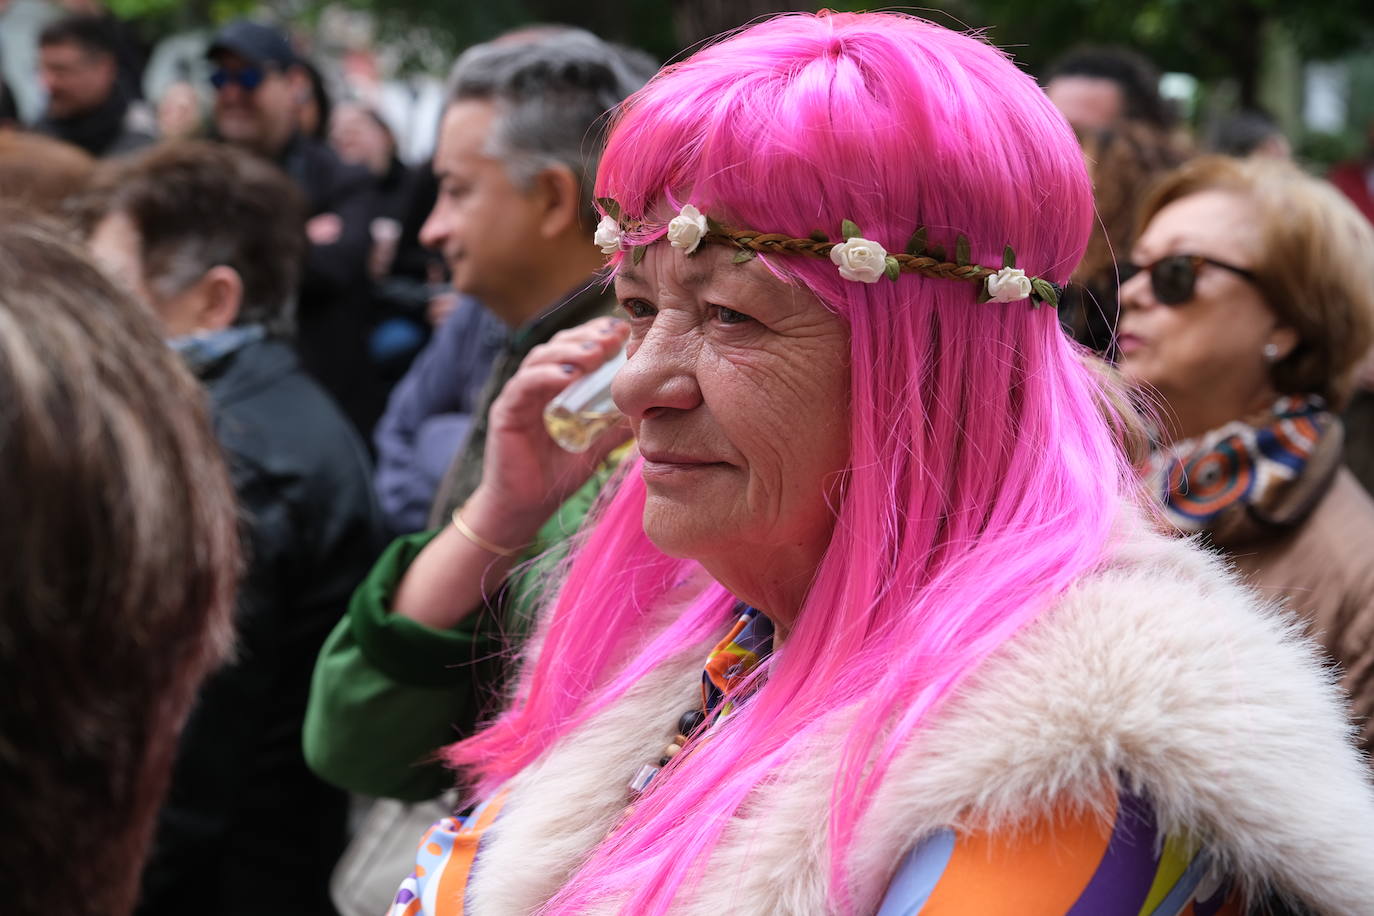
(584, 410)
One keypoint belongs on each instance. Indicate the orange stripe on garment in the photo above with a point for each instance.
(1038, 870)
(413, 908)
(453, 882)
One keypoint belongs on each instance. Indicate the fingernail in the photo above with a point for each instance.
(569, 369)
(589, 346)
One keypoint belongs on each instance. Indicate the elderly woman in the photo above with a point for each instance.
(873, 624)
(1251, 304)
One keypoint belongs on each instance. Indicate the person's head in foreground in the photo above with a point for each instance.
(518, 147)
(208, 236)
(856, 418)
(41, 173)
(121, 560)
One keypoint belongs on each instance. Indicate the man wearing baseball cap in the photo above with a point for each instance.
(260, 88)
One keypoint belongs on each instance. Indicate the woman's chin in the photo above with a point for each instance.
(680, 531)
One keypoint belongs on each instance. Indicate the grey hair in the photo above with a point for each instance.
(552, 86)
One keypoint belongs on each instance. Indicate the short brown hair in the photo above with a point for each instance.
(1316, 268)
(197, 205)
(41, 172)
(121, 559)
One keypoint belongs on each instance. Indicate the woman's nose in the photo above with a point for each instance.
(661, 374)
(1135, 292)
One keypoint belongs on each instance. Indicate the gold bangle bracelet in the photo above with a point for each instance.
(477, 539)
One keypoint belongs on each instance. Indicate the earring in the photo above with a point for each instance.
(1271, 352)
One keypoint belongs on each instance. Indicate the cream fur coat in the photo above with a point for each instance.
(1158, 670)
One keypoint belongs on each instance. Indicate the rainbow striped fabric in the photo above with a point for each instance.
(1065, 865)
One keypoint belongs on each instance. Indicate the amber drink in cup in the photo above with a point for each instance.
(584, 410)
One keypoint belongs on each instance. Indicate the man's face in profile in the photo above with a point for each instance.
(77, 80)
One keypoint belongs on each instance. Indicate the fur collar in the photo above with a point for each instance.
(1159, 671)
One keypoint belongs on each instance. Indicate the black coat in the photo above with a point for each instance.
(105, 131)
(334, 311)
(247, 828)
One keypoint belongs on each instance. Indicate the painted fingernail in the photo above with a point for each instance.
(569, 369)
(590, 345)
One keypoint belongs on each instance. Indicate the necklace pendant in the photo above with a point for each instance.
(642, 778)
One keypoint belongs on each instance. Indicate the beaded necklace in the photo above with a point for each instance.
(748, 643)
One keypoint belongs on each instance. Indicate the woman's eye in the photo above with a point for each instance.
(638, 308)
(730, 316)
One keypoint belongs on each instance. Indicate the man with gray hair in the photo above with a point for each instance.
(518, 148)
(517, 153)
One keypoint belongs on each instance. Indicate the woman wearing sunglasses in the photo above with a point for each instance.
(1247, 304)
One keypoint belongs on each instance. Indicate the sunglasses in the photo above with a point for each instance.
(247, 79)
(1173, 279)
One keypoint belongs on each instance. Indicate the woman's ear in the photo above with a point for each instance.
(221, 296)
(560, 196)
(1285, 340)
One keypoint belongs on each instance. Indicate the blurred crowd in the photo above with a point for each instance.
(350, 326)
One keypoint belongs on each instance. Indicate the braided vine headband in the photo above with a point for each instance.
(859, 259)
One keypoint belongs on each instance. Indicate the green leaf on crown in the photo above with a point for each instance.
(1044, 291)
(1008, 257)
(744, 254)
(891, 267)
(916, 245)
(609, 207)
(850, 231)
(961, 250)
(637, 254)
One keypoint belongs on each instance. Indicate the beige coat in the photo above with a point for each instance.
(1324, 570)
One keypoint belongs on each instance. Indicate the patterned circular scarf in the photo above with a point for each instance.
(1248, 477)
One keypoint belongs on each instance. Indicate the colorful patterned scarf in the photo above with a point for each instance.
(748, 643)
(1247, 479)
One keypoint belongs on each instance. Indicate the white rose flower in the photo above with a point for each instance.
(607, 235)
(1009, 285)
(860, 260)
(686, 230)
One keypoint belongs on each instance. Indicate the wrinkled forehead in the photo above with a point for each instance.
(712, 276)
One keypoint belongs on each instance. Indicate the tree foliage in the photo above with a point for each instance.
(1212, 40)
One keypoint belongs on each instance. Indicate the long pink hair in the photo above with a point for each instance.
(983, 479)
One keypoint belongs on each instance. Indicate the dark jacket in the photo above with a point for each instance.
(108, 130)
(247, 828)
(430, 413)
(333, 314)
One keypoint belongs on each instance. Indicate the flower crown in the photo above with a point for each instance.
(858, 259)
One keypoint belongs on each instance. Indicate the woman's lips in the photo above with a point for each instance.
(1127, 344)
(661, 464)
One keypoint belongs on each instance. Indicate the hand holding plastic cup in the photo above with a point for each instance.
(584, 410)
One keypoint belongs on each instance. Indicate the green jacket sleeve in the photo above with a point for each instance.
(388, 692)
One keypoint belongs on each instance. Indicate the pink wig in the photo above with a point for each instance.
(983, 479)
